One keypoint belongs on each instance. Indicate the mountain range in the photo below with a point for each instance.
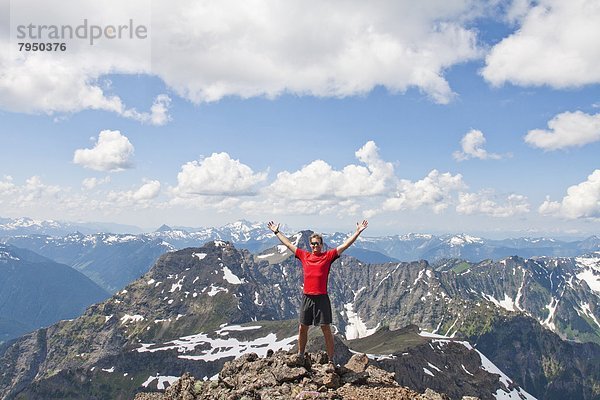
(110, 260)
(36, 292)
(199, 307)
(114, 260)
(26, 226)
(256, 237)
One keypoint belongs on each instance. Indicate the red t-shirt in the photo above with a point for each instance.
(316, 269)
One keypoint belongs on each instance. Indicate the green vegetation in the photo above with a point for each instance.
(478, 322)
(385, 341)
(551, 367)
(462, 267)
(574, 334)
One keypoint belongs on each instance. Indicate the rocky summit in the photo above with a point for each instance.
(281, 375)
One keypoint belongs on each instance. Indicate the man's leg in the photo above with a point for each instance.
(328, 341)
(302, 338)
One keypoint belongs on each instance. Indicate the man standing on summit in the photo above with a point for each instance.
(316, 307)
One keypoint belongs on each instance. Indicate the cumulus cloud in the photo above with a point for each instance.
(91, 183)
(266, 49)
(217, 175)
(35, 83)
(435, 191)
(112, 152)
(318, 180)
(472, 147)
(39, 83)
(517, 10)
(138, 197)
(582, 200)
(569, 129)
(70, 81)
(32, 192)
(227, 49)
(555, 45)
(486, 202)
(39, 199)
(7, 187)
(158, 115)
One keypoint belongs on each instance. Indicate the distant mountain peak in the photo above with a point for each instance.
(464, 239)
(164, 228)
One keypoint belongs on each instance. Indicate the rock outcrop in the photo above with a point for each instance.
(281, 375)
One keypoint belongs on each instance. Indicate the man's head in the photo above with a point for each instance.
(316, 242)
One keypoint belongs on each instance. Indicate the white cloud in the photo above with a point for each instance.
(44, 84)
(518, 10)
(159, 112)
(112, 152)
(7, 187)
(36, 83)
(556, 45)
(486, 202)
(568, 129)
(582, 200)
(318, 180)
(435, 191)
(265, 48)
(33, 192)
(141, 196)
(91, 183)
(205, 52)
(70, 81)
(472, 147)
(158, 115)
(217, 175)
(38, 199)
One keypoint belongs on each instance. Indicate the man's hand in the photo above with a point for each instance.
(361, 226)
(284, 240)
(273, 226)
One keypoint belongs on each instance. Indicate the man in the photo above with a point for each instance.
(316, 307)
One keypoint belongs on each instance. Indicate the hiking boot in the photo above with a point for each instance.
(295, 360)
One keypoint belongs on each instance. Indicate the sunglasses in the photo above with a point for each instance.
(315, 243)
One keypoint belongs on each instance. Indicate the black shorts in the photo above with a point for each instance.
(315, 310)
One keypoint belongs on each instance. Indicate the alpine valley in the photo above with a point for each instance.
(514, 319)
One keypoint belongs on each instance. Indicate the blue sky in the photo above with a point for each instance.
(436, 117)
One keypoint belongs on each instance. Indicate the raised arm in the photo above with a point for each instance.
(359, 228)
(284, 240)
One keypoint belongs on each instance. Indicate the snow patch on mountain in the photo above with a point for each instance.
(220, 347)
(551, 311)
(215, 289)
(131, 318)
(265, 256)
(5, 256)
(356, 328)
(160, 381)
(510, 391)
(231, 277)
(585, 309)
(462, 240)
(590, 272)
(507, 303)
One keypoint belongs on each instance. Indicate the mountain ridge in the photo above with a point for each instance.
(172, 319)
(256, 237)
(35, 292)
